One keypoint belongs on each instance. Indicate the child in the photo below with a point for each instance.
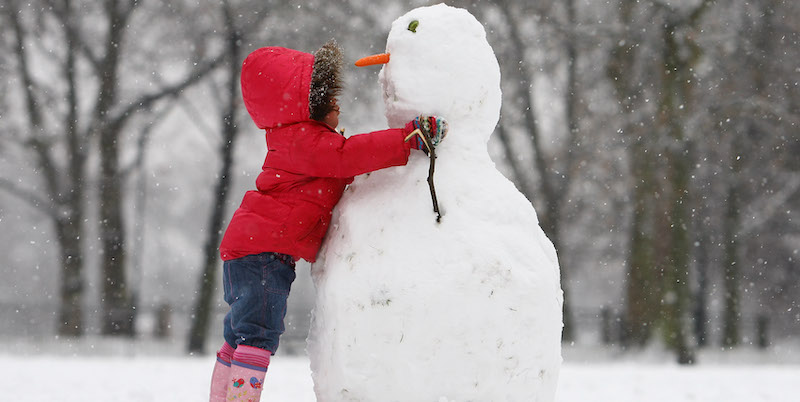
(291, 95)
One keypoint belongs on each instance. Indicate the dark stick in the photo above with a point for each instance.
(432, 156)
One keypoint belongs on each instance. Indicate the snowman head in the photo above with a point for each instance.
(438, 62)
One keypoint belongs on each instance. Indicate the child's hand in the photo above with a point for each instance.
(423, 128)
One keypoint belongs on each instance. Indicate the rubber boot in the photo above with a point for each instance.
(246, 382)
(219, 381)
(247, 372)
(222, 371)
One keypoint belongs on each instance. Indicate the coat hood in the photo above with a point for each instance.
(276, 84)
(282, 86)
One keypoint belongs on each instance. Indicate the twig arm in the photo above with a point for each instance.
(431, 170)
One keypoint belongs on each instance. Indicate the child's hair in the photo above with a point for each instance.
(326, 80)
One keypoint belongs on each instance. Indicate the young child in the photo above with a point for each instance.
(291, 95)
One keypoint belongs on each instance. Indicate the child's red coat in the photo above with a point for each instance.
(308, 164)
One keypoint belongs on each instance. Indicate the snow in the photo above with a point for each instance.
(143, 378)
(402, 299)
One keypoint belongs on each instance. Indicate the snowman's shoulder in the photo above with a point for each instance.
(505, 199)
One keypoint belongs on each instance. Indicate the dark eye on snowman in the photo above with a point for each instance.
(412, 26)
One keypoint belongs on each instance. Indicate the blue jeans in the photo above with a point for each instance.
(256, 288)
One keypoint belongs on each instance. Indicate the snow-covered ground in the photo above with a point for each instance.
(588, 374)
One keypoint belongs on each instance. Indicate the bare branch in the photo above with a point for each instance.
(756, 105)
(63, 15)
(141, 143)
(698, 12)
(674, 16)
(146, 101)
(34, 114)
(517, 170)
(28, 86)
(769, 206)
(529, 105)
(30, 197)
(196, 117)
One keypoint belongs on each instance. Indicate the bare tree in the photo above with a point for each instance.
(658, 272)
(758, 130)
(642, 281)
(553, 169)
(203, 306)
(681, 54)
(64, 198)
(61, 129)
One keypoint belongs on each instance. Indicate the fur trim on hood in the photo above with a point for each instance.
(326, 79)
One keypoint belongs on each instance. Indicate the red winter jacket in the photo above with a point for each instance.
(308, 164)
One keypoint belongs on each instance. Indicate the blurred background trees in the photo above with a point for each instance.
(658, 141)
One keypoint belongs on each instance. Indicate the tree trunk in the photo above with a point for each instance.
(118, 309)
(642, 277)
(758, 79)
(70, 316)
(70, 228)
(563, 186)
(549, 192)
(731, 315)
(675, 98)
(700, 308)
(203, 306)
(117, 304)
(676, 277)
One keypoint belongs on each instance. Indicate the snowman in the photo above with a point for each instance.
(408, 308)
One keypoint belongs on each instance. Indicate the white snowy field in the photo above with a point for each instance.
(765, 377)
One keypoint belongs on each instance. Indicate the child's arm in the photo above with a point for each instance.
(320, 152)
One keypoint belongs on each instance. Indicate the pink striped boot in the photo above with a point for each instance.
(247, 372)
(222, 370)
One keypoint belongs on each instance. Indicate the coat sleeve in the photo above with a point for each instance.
(325, 153)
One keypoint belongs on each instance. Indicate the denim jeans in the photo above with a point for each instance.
(256, 288)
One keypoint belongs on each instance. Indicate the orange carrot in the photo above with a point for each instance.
(382, 58)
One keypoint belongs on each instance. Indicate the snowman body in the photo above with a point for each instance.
(411, 309)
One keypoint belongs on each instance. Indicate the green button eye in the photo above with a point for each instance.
(413, 26)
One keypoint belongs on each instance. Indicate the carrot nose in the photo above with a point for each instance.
(382, 58)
